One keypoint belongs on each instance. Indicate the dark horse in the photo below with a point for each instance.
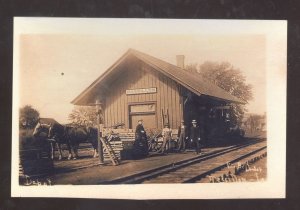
(71, 136)
(74, 136)
(57, 140)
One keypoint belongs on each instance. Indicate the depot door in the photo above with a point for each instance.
(146, 112)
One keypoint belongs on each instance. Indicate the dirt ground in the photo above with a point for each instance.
(97, 173)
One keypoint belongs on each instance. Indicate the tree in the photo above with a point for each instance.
(229, 78)
(28, 117)
(255, 122)
(84, 115)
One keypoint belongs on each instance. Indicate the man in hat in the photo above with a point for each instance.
(167, 135)
(141, 137)
(182, 136)
(195, 136)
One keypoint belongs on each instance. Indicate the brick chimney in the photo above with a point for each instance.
(180, 61)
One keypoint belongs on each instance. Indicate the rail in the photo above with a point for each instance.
(149, 174)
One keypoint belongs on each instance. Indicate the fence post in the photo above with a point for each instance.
(100, 131)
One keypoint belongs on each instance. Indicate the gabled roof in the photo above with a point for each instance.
(195, 84)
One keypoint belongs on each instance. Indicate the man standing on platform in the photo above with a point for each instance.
(167, 135)
(182, 136)
(195, 136)
(141, 137)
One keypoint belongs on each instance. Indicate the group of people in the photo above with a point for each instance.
(186, 136)
(192, 136)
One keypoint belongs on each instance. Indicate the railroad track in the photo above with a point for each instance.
(194, 169)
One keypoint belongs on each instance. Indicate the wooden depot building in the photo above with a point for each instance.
(140, 86)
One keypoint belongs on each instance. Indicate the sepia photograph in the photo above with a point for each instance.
(149, 108)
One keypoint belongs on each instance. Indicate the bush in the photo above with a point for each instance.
(28, 117)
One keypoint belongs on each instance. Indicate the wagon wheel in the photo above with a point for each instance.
(158, 146)
(151, 144)
(154, 145)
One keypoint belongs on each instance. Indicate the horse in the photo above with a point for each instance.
(56, 140)
(74, 136)
(41, 129)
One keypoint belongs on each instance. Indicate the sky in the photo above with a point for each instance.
(58, 58)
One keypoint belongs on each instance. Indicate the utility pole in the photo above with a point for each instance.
(100, 131)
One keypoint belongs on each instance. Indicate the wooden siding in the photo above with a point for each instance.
(140, 75)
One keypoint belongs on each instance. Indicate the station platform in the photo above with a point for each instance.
(87, 171)
(93, 173)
